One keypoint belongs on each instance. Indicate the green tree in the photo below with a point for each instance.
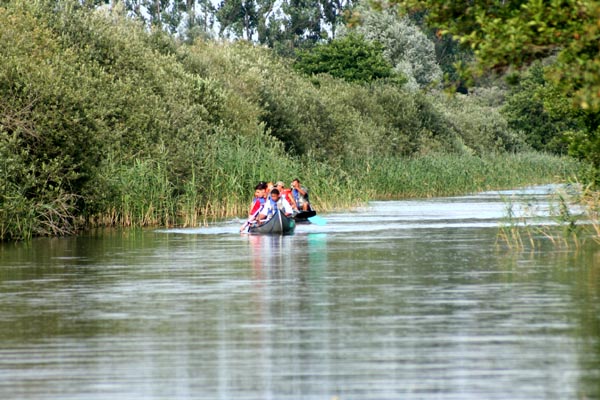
(514, 33)
(405, 46)
(151, 12)
(333, 13)
(536, 107)
(239, 18)
(200, 19)
(517, 32)
(351, 58)
(298, 27)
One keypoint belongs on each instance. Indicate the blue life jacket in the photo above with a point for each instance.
(273, 210)
(298, 198)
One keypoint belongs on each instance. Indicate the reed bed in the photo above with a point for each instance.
(574, 219)
(221, 186)
(447, 175)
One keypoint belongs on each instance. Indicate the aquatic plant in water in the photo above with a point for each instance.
(569, 218)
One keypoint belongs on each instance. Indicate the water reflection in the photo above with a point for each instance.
(396, 306)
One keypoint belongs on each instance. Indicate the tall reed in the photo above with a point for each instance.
(573, 219)
(220, 185)
(445, 175)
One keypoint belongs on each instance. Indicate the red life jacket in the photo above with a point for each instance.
(257, 205)
(287, 193)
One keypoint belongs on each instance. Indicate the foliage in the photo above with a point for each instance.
(536, 106)
(447, 175)
(476, 117)
(518, 32)
(240, 17)
(351, 58)
(106, 122)
(51, 126)
(284, 25)
(450, 55)
(405, 46)
(515, 33)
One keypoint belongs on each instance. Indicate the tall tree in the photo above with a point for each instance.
(238, 18)
(405, 46)
(333, 13)
(302, 25)
(268, 21)
(200, 19)
(505, 33)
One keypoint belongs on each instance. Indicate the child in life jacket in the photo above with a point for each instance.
(273, 205)
(257, 204)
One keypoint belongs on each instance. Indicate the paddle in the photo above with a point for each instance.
(317, 220)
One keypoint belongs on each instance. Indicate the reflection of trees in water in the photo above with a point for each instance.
(587, 300)
(579, 271)
(289, 296)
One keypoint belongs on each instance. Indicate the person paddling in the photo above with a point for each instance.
(300, 194)
(272, 206)
(257, 204)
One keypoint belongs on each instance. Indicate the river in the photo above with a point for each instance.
(398, 300)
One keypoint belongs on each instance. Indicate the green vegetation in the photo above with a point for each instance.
(537, 107)
(448, 175)
(106, 122)
(351, 58)
(507, 35)
(573, 220)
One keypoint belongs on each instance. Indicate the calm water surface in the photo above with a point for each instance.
(399, 300)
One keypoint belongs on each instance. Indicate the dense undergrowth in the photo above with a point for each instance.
(105, 123)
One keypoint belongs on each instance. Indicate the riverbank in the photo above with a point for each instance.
(146, 199)
(143, 195)
(103, 123)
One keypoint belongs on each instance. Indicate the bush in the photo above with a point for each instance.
(478, 122)
(538, 108)
(351, 58)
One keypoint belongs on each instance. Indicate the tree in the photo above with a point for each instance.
(150, 11)
(351, 58)
(514, 33)
(333, 13)
(200, 19)
(301, 26)
(405, 46)
(238, 17)
(536, 107)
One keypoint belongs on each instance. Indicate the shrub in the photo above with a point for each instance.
(351, 58)
(538, 108)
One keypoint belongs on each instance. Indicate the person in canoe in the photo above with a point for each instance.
(258, 202)
(272, 206)
(300, 194)
(286, 193)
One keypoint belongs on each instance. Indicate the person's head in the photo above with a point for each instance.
(260, 189)
(275, 195)
(280, 186)
(261, 185)
(296, 183)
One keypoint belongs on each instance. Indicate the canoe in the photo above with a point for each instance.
(278, 225)
(303, 216)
